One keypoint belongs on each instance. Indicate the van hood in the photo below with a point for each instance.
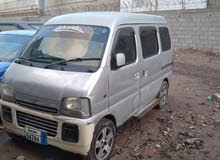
(3, 67)
(37, 83)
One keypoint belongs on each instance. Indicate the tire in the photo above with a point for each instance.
(15, 137)
(103, 141)
(163, 95)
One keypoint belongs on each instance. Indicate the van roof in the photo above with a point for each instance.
(108, 19)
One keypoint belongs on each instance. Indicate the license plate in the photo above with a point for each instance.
(36, 135)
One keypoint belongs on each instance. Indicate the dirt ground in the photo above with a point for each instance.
(188, 128)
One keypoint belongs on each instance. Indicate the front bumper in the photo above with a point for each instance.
(86, 129)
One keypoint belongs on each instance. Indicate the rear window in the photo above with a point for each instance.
(149, 41)
(11, 46)
(165, 38)
(7, 27)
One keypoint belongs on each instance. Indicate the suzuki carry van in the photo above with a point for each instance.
(85, 74)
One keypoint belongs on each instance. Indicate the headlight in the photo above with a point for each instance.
(7, 94)
(76, 107)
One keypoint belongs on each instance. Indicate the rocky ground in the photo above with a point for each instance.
(188, 128)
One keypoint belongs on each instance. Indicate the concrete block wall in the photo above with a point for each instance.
(13, 4)
(198, 29)
(70, 6)
(56, 7)
(214, 4)
(52, 8)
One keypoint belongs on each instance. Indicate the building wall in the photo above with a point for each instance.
(214, 4)
(199, 29)
(161, 5)
(15, 4)
(10, 8)
(23, 9)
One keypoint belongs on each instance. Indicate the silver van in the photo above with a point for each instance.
(85, 74)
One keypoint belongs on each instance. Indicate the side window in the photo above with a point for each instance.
(125, 43)
(7, 27)
(149, 41)
(165, 38)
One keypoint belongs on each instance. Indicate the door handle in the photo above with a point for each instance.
(137, 75)
(145, 73)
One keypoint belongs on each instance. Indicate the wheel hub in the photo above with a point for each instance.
(104, 143)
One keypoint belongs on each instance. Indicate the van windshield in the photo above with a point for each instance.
(81, 47)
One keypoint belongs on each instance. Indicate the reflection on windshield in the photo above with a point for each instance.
(11, 46)
(65, 42)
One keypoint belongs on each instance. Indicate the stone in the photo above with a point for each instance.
(138, 155)
(158, 146)
(217, 122)
(214, 110)
(131, 138)
(179, 147)
(165, 133)
(194, 143)
(191, 141)
(136, 148)
(190, 134)
(210, 134)
(1, 127)
(191, 127)
(119, 151)
(20, 158)
(216, 97)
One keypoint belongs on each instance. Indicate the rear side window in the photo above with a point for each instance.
(149, 41)
(35, 26)
(125, 43)
(7, 27)
(165, 38)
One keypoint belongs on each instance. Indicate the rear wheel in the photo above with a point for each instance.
(163, 95)
(103, 140)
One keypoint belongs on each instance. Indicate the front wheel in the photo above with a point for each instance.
(103, 140)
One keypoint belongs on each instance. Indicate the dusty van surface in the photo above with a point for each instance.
(85, 75)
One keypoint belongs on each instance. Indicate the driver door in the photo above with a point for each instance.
(124, 81)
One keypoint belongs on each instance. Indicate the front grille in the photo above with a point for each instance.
(37, 107)
(49, 126)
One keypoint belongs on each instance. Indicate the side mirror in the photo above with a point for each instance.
(120, 59)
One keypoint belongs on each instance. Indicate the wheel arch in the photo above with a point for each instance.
(112, 118)
(167, 80)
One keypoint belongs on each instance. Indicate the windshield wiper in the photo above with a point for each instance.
(46, 57)
(23, 61)
(35, 59)
(72, 60)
